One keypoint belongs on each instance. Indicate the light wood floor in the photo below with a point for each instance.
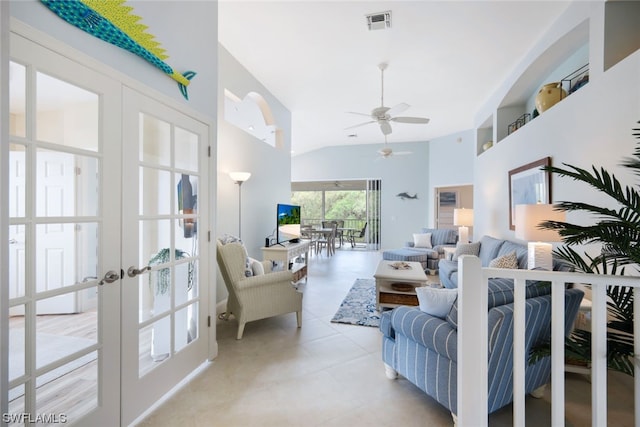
(73, 390)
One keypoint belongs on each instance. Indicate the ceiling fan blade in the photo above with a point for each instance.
(385, 127)
(361, 124)
(417, 120)
(397, 109)
(401, 153)
(359, 114)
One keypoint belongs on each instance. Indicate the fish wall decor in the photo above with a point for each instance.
(404, 196)
(112, 21)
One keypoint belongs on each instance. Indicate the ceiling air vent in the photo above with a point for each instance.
(379, 21)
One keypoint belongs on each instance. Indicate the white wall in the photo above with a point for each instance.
(270, 167)
(193, 47)
(406, 173)
(593, 126)
(451, 163)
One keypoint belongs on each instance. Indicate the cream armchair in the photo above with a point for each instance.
(255, 297)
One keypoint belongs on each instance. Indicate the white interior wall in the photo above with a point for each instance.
(590, 127)
(270, 166)
(451, 164)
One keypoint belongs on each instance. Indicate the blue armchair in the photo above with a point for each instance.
(423, 348)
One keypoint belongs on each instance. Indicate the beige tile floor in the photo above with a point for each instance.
(328, 374)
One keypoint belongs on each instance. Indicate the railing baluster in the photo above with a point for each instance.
(599, 356)
(519, 355)
(557, 352)
(472, 344)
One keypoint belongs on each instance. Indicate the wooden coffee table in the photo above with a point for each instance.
(388, 278)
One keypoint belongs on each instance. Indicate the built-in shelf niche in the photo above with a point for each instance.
(565, 55)
(484, 136)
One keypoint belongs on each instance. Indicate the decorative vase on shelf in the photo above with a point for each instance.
(549, 95)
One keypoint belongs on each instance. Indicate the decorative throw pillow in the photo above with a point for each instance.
(505, 261)
(466, 249)
(256, 267)
(422, 240)
(228, 238)
(436, 301)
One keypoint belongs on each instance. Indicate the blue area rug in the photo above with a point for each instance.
(359, 306)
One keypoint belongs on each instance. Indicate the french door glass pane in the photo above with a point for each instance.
(61, 336)
(186, 326)
(16, 347)
(155, 137)
(155, 191)
(155, 242)
(66, 184)
(66, 114)
(187, 146)
(154, 344)
(17, 98)
(17, 180)
(186, 282)
(66, 254)
(79, 399)
(17, 261)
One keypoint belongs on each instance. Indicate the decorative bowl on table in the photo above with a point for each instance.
(400, 265)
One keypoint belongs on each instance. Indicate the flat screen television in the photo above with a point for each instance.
(288, 222)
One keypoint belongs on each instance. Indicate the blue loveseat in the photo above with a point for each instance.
(489, 248)
(423, 348)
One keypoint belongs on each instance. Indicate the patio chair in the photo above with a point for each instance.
(355, 234)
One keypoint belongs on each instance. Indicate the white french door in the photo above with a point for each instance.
(108, 232)
(64, 183)
(165, 223)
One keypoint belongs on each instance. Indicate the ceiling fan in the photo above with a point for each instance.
(384, 115)
(386, 151)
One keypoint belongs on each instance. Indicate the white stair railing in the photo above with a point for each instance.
(473, 341)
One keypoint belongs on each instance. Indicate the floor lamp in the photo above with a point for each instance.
(463, 218)
(528, 220)
(239, 178)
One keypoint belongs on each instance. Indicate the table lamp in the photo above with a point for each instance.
(528, 220)
(463, 218)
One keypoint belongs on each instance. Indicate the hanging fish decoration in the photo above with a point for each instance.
(111, 21)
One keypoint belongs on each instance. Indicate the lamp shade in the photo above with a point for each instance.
(529, 218)
(240, 176)
(463, 217)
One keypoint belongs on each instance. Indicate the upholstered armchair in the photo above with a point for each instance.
(254, 295)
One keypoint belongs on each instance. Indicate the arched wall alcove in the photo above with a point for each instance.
(253, 115)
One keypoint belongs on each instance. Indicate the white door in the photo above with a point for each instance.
(65, 184)
(165, 240)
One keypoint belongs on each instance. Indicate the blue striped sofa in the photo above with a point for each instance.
(491, 248)
(423, 348)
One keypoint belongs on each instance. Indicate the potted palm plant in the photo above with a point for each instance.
(618, 232)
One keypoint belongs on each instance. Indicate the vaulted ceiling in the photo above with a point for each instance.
(445, 58)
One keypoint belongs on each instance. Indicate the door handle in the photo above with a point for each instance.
(13, 242)
(133, 272)
(110, 277)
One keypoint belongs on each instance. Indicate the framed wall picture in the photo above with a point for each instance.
(449, 198)
(528, 185)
